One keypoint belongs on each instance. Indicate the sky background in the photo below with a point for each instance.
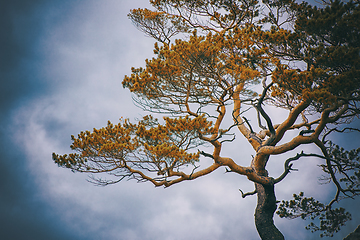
(61, 67)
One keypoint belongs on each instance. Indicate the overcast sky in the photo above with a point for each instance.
(61, 66)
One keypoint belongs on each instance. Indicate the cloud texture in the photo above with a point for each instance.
(61, 74)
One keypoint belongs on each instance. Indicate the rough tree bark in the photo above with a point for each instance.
(265, 209)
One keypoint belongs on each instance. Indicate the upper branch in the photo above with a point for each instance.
(265, 115)
(288, 123)
(238, 119)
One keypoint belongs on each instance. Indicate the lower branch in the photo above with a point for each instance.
(244, 195)
(329, 168)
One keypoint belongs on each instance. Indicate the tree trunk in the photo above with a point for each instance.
(264, 213)
(355, 235)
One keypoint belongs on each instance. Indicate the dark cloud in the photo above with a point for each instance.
(19, 31)
(23, 215)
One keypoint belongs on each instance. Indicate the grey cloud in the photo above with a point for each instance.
(72, 58)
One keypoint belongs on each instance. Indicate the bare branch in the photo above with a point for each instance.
(244, 195)
(287, 167)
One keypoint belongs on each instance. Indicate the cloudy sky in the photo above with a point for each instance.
(61, 67)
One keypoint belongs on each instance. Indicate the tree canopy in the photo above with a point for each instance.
(221, 66)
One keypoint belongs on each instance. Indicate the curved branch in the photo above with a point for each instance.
(294, 143)
(329, 168)
(340, 131)
(244, 195)
(264, 114)
(181, 175)
(283, 127)
(287, 167)
(249, 172)
(238, 120)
